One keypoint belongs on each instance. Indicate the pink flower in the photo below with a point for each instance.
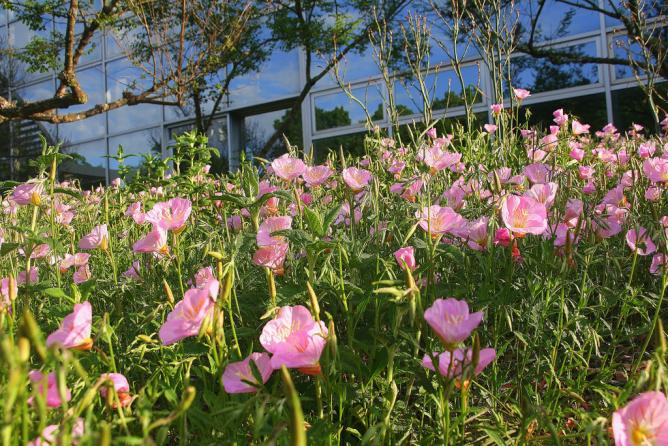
(455, 364)
(451, 320)
(432, 132)
(171, 215)
(33, 276)
(187, 317)
(28, 193)
(543, 193)
(578, 128)
(97, 238)
(653, 193)
(272, 257)
(656, 170)
(238, 376)
(317, 175)
(405, 258)
(74, 332)
(537, 173)
(639, 242)
(48, 387)
(643, 421)
(50, 435)
(496, 108)
(490, 128)
(154, 242)
(560, 118)
(295, 339)
(355, 178)
(121, 386)
(288, 168)
(270, 225)
(477, 236)
(235, 223)
(134, 210)
(577, 154)
(133, 271)
(521, 93)
(524, 215)
(438, 220)
(658, 263)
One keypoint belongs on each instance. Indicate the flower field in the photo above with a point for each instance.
(484, 288)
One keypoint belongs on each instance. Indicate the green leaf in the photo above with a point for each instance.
(314, 221)
(330, 217)
(7, 248)
(57, 293)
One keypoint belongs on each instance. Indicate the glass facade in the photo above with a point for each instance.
(257, 102)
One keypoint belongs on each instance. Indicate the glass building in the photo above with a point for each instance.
(257, 102)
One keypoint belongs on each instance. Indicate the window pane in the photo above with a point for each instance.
(92, 82)
(278, 77)
(556, 19)
(540, 75)
(626, 49)
(123, 76)
(630, 105)
(27, 132)
(136, 145)
(217, 137)
(353, 67)
(338, 110)
(353, 144)
(444, 90)
(588, 109)
(259, 128)
(20, 35)
(88, 165)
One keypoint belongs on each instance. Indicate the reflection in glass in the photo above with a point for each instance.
(26, 135)
(217, 137)
(630, 105)
(89, 163)
(444, 90)
(539, 75)
(278, 77)
(588, 109)
(338, 110)
(92, 82)
(123, 76)
(624, 48)
(556, 19)
(353, 67)
(352, 143)
(136, 146)
(259, 128)
(20, 35)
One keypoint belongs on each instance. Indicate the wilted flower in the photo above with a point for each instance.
(121, 386)
(238, 376)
